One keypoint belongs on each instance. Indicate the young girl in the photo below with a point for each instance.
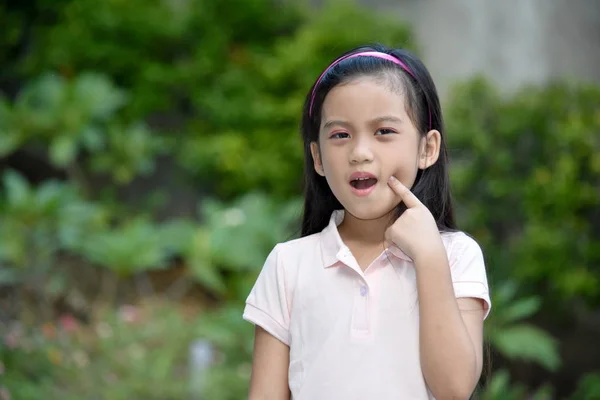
(382, 297)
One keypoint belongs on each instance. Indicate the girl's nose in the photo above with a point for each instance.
(361, 153)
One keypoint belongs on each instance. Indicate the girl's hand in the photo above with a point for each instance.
(415, 232)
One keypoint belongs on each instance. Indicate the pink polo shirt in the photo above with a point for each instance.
(352, 334)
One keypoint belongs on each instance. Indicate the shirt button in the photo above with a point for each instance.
(363, 290)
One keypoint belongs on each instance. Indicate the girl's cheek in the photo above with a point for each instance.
(399, 172)
(406, 175)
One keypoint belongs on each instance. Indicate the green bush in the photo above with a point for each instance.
(525, 175)
(511, 336)
(130, 353)
(526, 178)
(226, 83)
(102, 92)
(501, 388)
(109, 87)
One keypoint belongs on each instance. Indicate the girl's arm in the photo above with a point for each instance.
(269, 380)
(451, 340)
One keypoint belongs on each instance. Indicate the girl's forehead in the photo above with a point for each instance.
(364, 97)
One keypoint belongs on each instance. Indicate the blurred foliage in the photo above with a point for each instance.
(101, 93)
(526, 176)
(36, 224)
(129, 353)
(216, 83)
(69, 118)
(588, 387)
(527, 182)
(501, 388)
(241, 233)
(515, 339)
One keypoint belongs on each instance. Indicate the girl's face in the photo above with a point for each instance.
(366, 136)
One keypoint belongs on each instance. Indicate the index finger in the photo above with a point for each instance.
(409, 199)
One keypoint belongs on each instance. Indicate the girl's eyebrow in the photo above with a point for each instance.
(386, 118)
(335, 122)
(374, 121)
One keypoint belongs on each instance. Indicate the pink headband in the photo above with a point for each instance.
(376, 54)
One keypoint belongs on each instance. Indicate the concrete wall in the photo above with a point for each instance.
(514, 42)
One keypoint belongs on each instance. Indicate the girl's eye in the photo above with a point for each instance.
(385, 131)
(338, 135)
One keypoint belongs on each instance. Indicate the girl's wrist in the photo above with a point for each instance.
(430, 254)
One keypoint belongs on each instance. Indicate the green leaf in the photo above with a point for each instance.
(505, 292)
(8, 276)
(17, 188)
(177, 236)
(588, 387)
(252, 225)
(130, 150)
(78, 221)
(97, 94)
(13, 250)
(498, 385)
(208, 276)
(56, 285)
(545, 392)
(133, 247)
(200, 263)
(528, 343)
(9, 142)
(520, 309)
(51, 195)
(92, 138)
(63, 150)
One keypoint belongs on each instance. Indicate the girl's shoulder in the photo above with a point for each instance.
(467, 267)
(458, 243)
(287, 259)
(458, 237)
(297, 247)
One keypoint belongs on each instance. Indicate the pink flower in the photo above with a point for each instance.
(129, 314)
(14, 337)
(68, 323)
(11, 340)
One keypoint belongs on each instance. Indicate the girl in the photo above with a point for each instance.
(382, 297)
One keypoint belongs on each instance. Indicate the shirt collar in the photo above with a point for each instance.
(333, 248)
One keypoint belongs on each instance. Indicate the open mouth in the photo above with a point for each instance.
(363, 183)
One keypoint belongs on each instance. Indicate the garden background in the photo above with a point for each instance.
(150, 159)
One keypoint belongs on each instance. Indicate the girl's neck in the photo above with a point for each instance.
(366, 232)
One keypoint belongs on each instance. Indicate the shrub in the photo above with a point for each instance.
(526, 178)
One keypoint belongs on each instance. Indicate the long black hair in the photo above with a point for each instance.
(432, 185)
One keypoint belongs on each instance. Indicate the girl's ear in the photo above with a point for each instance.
(430, 149)
(316, 155)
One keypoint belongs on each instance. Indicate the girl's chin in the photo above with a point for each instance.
(370, 214)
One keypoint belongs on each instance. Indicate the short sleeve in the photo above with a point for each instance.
(468, 270)
(267, 303)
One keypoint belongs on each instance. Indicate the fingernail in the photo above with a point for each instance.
(392, 179)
